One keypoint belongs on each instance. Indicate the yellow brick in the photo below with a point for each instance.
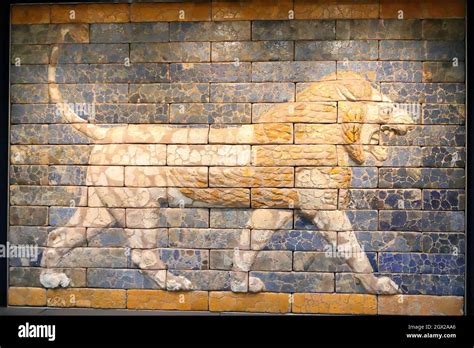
(251, 177)
(265, 133)
(420, 305)
(336, 9)
(335, 303)
(26, 296)
(167, 300)
(264, 302)
(422, 9)
(304, 112)
(30, 14)
(87, 298)
(251, 10)
(186, 12)
(294, 155)
(209, 197)
(90, 13)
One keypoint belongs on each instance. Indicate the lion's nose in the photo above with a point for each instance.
(399, 129)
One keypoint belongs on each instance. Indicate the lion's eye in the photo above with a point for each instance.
(385, 111)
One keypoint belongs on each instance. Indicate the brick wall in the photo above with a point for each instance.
(261, 156)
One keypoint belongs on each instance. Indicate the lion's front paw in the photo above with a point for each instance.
(387, 286)
(380, 286)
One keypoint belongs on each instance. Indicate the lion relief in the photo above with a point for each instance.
(351, 137)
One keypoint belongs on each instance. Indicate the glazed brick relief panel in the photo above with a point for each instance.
(298, 156)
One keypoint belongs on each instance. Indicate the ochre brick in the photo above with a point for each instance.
(422, 9)
(167, 300)
(336, 9)
(251, 177)
(251, 10)
(186, 12)
(30, 14)
(90, 13)
(86, 298)
(420, 305)
(26, 296)
(335, 303)
(265, 133)
(265, 302)
(288, 155)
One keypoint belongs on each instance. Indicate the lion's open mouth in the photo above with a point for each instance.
(374, 137)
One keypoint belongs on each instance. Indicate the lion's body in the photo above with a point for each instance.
(343, 142)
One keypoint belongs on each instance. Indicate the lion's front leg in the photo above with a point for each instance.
(243, 260)
(354, 255)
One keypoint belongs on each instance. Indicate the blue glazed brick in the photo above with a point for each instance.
(360, 220)
(34, 113)
(379, 199)
(389, 241)
(411, 284)
(296, 240)
(170, 52)
(274, 92)
(290, 282)
(29, 175)
(443, 29)
(121, 279)
(332, 260)
(29, 74)
(443, 199)
(385, 71)
(442, 178)
(93, 93)
(293, 30)
(92, 53)
(421, 178)
(443, 243)
(111, 73)
(364, 177)
(30, 54)
(428, 135)
(66, 134)
(210, 72)
(207, 280)
(336, 50)
(444, 50)
(443, 93)
(34, 260)
(29, 134)
(421, 263)
(430, 284)
(131, 113)
(129, 32)
(442, 156)
(444, 113)
(67, 175)
(61, 216)
(210, 31)
(421, 220)
(50, 33)
(29, 93)
(401, 50)
(184, 258)
(291, 71)
(378, 29)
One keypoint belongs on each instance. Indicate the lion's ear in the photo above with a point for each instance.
(356, 153)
